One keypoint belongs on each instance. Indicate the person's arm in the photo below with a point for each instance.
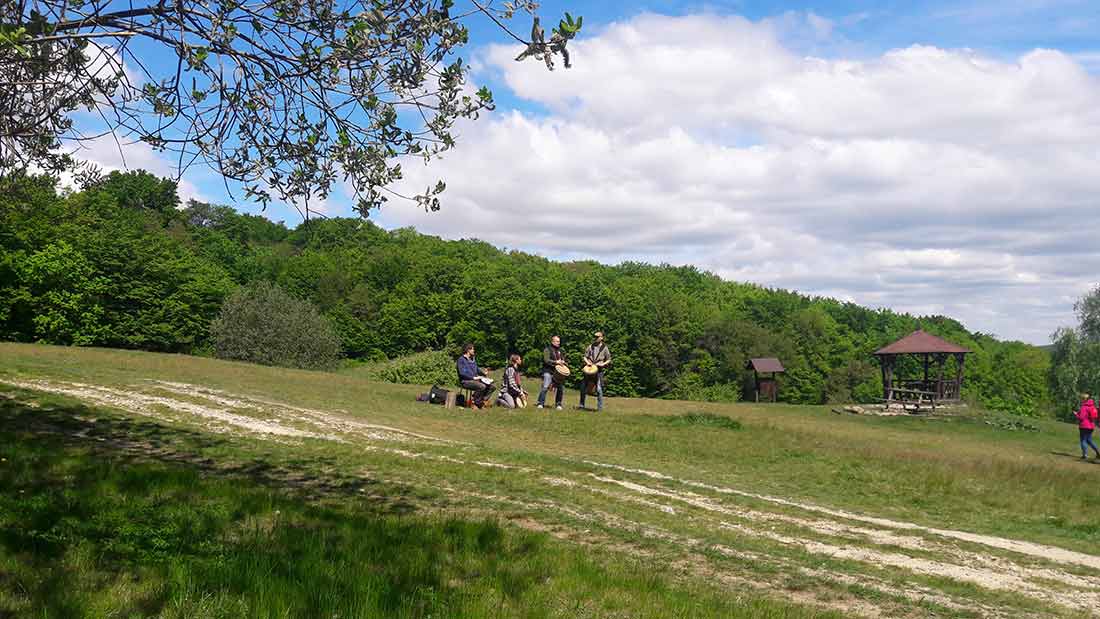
(605, 357)
(547, 361)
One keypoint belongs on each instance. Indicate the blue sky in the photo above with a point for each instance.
(931, 157)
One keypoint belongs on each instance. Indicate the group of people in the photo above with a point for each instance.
(555, 369)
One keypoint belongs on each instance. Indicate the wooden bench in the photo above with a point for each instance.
(912, 397)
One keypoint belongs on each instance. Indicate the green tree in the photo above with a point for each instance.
(263, 324)
(318, 91)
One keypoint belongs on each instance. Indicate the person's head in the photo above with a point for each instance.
(468, 350)
(599, 337)
(555, 341)
(1085, 396)
(515, 360)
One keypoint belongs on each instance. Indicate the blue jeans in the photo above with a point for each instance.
(599, 391)
(559, 393)
(1086, 439)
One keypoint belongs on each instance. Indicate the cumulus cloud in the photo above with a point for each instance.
(108, 155)
(923, 179)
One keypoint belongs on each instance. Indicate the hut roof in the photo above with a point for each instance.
(766, 364)
(920, 342)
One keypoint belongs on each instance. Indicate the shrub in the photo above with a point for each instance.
(428, 368)
(263, 324)
(689, 386)
(709, 420)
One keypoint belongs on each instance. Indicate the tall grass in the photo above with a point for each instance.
(85, 534)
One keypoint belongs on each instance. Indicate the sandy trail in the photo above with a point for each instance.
(217, 419)
(338, 423)
(1040, 551)
(880, 542)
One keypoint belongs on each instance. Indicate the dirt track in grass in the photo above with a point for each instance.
(913, 568)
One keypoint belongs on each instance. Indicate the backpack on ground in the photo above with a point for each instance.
(437, 395)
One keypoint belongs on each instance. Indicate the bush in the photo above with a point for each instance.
(428, 368)
(263, 324)
(689, 386)
(709, 420)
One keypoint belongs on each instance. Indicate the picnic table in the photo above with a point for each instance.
(912, 397)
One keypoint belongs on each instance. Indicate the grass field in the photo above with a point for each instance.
(137, 484)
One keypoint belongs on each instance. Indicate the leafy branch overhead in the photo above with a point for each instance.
(560, 36)
(284, 98)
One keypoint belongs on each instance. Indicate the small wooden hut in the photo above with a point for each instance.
(931, 386)
(764, 371)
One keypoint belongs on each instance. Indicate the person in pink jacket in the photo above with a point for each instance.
(1086, 423)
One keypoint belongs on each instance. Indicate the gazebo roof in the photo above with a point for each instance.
(921, 342)
(766, 364)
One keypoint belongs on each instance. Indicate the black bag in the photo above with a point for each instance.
(437, 395)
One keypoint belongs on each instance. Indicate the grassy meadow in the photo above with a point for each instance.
(138, 484)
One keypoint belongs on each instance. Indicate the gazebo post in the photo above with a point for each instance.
(941, 360)
(960, 359)
(882, 367)
(925, 385)
(887, 362)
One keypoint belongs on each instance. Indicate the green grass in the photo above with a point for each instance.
(87, 533)
(705, 420)
(958, 473)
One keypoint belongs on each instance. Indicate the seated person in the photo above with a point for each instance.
(511, 393)
(468, 374)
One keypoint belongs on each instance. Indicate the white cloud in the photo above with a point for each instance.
(924, 179)
(109, 156)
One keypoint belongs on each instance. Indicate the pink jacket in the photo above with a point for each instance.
(1087, 415)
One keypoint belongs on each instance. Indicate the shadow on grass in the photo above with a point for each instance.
(92, 524)
(140, 440)
(1065, 454)
(102, 515)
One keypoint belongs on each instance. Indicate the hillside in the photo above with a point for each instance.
(120, 265)
(657, 508)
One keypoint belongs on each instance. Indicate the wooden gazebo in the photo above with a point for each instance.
(928, 349)
(765, 385)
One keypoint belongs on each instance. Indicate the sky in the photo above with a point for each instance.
(929, 157)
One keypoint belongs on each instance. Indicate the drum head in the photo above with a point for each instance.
(590, 370)
(561, 372)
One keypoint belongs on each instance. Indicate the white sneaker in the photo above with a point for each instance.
(539, 407)
(558, 407)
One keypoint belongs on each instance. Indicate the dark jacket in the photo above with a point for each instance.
(467, 368)
(549, 356)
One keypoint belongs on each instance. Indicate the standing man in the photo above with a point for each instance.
(552, 357)
(468, 374)
(599, 356)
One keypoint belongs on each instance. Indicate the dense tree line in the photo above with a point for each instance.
(121, 264)
(1075, 367)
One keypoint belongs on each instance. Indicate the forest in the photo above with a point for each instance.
(122, 263)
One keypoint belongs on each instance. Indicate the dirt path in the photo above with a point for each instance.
(896, 551)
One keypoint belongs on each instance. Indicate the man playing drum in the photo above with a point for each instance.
(596, 360)
(471, 377)
(553, 367)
